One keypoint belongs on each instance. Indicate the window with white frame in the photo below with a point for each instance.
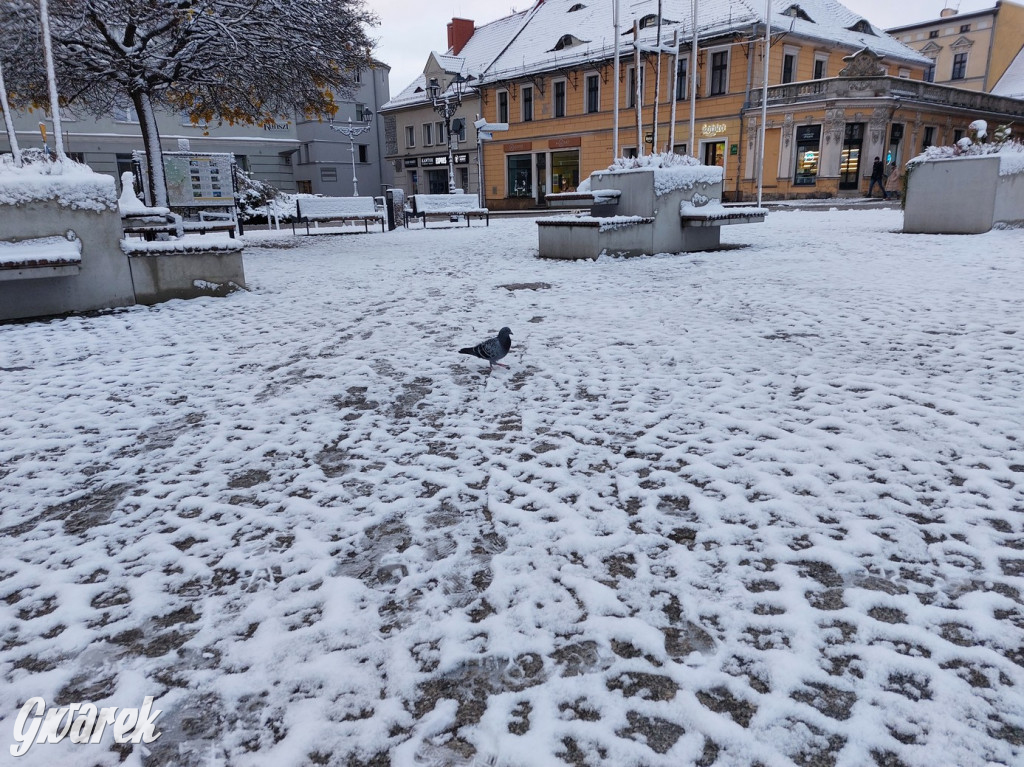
(633, 87)
(503, 106)
(410, 136)
(125, 113)
(439, 132)
(820, 66)
(526, 98)
(558, 97)
(428, 134)
(593, 93)
(718, 74)
(789, 64)
(682, 74)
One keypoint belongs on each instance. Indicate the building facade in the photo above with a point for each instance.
(294, 155)
(840, 92)
(969, 50)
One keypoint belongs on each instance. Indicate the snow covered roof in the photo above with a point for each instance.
(1012, 82)
(481, 49)
(536, 46)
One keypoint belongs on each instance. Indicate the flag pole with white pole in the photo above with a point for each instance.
(764, 94)
(615, 83)
(693, 81)
(51, 78)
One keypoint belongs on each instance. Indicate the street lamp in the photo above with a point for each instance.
(352, 130)
(446, 103)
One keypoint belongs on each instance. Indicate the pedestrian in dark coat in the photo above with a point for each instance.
(878, 177)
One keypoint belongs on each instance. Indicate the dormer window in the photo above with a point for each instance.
(796, 12)
(577, 7)
(566, 41)
(863, 27)
(650, 20)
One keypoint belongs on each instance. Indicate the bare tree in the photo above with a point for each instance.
(240, 61)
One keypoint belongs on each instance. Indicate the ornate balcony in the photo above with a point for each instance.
(894, 88)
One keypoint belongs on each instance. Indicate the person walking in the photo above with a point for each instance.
(894, 180)
(878, 177)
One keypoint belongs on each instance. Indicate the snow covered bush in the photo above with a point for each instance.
(253, 195)
(657, 160)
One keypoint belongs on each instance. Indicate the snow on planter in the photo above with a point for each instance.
(70, 184)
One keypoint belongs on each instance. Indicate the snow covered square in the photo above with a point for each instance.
(759, 506)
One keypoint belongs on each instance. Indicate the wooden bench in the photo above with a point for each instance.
(210, 221)
(55, 256)
(716, 214)
(601, 203)
(451, 206)
(318, 209)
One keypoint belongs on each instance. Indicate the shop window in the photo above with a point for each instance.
(593, 94)
(808, 155)
(849, 162)
(719, 73)
(565, 171)
(520, 175)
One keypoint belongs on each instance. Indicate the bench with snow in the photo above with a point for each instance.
(317, 209)
(212, 221)
(451, 206)
(603, 202)
(139, 218)
(35, 257)
(698, 212)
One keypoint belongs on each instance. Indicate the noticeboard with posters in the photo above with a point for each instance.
(195, 179)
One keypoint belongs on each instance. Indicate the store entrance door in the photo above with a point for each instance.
(849, 164)
(714, 153)
(437, 180)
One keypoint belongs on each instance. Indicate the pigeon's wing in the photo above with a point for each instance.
(485, 350)
(491, 349)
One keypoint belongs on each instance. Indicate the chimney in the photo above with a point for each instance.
(946, 13)
(459, 32)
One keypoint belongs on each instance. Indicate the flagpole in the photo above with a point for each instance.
(764, 94)
(615, 83)
(693, 82)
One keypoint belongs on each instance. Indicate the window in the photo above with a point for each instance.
(632, 85)
(719, 73)
(929, 137)
(788, 67)
(679, 149)
(959, 67)
(527, 92)
(460, 135)
(593, 94)
(503, 106)
(520, 176)
(933, 34)
(904, 73)
(410, 136)
(965, 28)
(328, 174)
(650, 20)
(125, 113)
(439, 132)
(681, 75)
(428, 134)
(565, 171)
(820, 67)
(304, 187)
(808, 145)
(577, 7)
(929, 73)
(363, 153)
(559, 98)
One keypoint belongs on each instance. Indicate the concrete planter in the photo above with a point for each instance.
(962, 195)
(185, 269)
(38, 285)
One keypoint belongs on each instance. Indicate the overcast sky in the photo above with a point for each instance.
(411, 29)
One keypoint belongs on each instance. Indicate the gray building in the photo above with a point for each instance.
(296, 155)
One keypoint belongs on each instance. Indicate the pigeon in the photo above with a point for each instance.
(493, 349)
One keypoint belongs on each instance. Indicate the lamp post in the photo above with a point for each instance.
(446, 103)
(351, 130)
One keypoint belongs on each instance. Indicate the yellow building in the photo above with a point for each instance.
(970, 50)
(841, 92)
